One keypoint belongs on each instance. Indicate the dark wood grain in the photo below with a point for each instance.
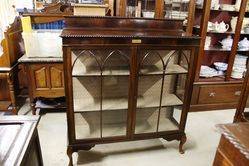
(101, 33)
(19, 141)
(233, 148)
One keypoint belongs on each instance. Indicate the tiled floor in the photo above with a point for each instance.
(200, 147)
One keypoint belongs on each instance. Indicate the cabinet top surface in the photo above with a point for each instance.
(26, 59)
(238, 135)
(117, 27)
(15, 135)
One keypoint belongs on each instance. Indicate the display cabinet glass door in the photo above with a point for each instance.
(161, 82)
(100, 92)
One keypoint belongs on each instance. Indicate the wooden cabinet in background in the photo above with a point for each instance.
(233, 148)
(19, 141)
(45, 77)
(12, 49)
(8, 89)
(219, 91)
(219, 96)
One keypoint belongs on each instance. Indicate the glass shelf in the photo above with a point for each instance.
(88, 105)
(212, 48)
(124, 71)
(172, 69)
(120, 71)
(198, 9)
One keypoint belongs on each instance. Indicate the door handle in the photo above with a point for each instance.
(237, 93)
(212, 94)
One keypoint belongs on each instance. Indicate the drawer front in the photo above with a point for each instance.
(219, 94)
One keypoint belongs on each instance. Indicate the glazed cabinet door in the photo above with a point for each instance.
(100, 88)
(162, 75)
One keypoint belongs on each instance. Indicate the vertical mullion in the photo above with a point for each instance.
(101, 104)
(133, 82)
(161, 96)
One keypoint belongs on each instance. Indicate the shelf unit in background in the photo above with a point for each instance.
(214, 88)
(174, 10)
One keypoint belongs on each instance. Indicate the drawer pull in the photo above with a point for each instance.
(237, 93)
(212, 94)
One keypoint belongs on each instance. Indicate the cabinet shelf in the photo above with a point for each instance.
(198, 9)
(229, 32)
(149, 70)
(84, 105)
(221, 49)
(217, 49)
(172, 69)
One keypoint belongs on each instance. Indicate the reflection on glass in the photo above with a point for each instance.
(140, 8)
(176, 9)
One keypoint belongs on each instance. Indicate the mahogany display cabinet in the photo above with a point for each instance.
(126, 79)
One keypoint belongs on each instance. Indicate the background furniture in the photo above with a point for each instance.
(234, 145)
(126, 83)
(46, 79)
(242, 115)
(45, 75)
(19, 141)
(12, 50)
(220, 92)
(8, 78)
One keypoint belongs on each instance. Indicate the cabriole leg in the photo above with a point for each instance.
(182, 142)
(69, 154)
